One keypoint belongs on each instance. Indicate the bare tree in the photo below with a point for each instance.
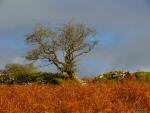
(69, 39)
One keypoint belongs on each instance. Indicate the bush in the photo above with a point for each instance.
(18, 73)
(6, 78)
(40, 77)
(17, 69)
(57, 81)
(25, 78)
(45, 77)
(144, 76)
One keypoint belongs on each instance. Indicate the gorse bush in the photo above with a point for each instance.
(21, 74)
(18, 73)
(40, 77)
(25, 78)
(57, 81)
(45, 77)
(6, 78)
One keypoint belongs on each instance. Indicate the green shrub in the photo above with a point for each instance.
(18, 73)
(19, 69)
(40, 77)
(6, 78)
(144, 76)
(57, 81)
(45, 77)
(25, 78)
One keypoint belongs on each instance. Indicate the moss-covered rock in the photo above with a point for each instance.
(112, 75)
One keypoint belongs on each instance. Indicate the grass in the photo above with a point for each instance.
(127, 97)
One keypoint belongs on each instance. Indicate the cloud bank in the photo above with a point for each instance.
(122, 29)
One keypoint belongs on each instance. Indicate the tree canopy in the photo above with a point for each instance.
(70, 40)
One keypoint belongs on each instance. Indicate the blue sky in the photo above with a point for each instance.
(123, 30)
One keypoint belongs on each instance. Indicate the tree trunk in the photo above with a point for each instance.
(73, 77)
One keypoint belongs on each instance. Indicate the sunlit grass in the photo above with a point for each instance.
(128, 96)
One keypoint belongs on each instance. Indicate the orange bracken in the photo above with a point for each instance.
(127, 97)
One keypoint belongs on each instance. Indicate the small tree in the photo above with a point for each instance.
(69, 39)
(18, 72)
(18, 69)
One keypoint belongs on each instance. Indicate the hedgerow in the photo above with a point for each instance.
(40, 77)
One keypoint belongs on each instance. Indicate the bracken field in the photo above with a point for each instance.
(116, 97)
